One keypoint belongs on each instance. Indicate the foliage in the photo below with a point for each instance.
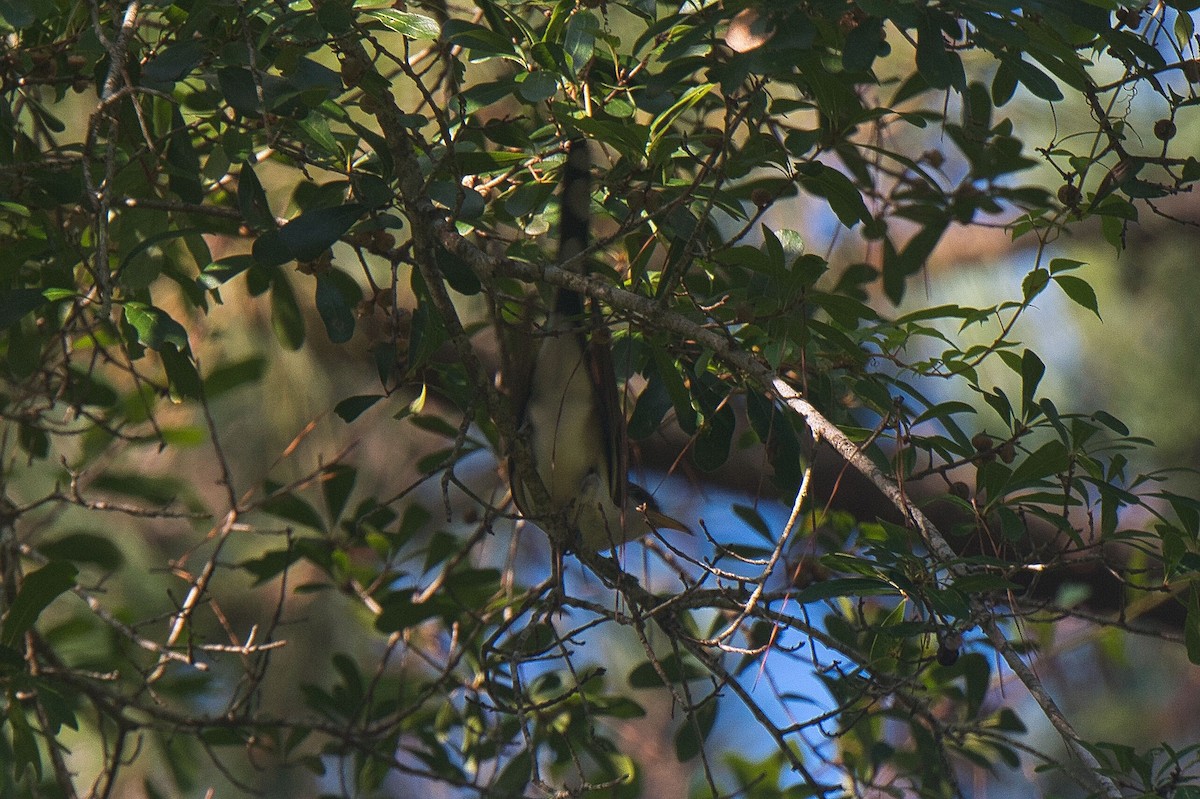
(382, 177)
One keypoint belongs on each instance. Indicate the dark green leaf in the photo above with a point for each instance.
(183, 162)
(37, 591)
(514, 777)
(26, 754)
(309, 235)
(1032, 370)
(252, 200)
(942, 68)
(1038, 82)
(1080, 291)
(399, 612)
(234, 375)
(337, 296)
(83, 548)
(694, 731)
(710, 449)
(753, 520)
(271, 563)
(219, 272)
(846, 586)
(1111, 422)
(1048, 459)
(336, 485)
(16, 303)
(174, 63)
(17, 13)
(289, 507)
(1191, 627)
(837, 189)
(1034, 282)
(286, 319)
(181, 373)
(351, 408)
(677, 670)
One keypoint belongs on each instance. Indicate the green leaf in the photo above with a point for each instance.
(183, 162)
(1191, 627)
(1049, 459)
(286, 319)
(847, 586)
(220, 272)
(753, 520)
(1004, 84)
(181, 373)
(37, 591)
(1080, 291)
(226, 378)
(940, 67)
(271, 563)
(663, 122)
(414, 26)
(17, 13)
(677, 670)
(337, 296)
(155, 327)
(837, 189)
(1111, 422)
(710, 449)
(1032, 370)
(694, 731)
(579, 40)
(83, 548)
(313, 232)
(174, 63)
(1034, 283)
(24, 745)
(1038, 82)
(351, 408)
(399, 612)
(336, 484)
(289, 507)
(252, 200)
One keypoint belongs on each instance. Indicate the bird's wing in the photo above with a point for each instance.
(612, 415)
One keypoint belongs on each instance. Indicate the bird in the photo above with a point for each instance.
(572, 416)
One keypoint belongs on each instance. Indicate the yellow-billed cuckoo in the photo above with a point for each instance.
(572, 414)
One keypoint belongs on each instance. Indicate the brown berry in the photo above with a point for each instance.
(948, 649)
(1164, 130)
(382, 242)
(983, 448)
(1007, 452)
(761, 197)
(946, 656)
(360, 238)
(960, 490)
(1130, 17)
(1069, 195)
(934, 158)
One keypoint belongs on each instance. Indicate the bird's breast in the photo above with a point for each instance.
(563, 417)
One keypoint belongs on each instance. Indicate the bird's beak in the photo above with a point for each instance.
(661, 521)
